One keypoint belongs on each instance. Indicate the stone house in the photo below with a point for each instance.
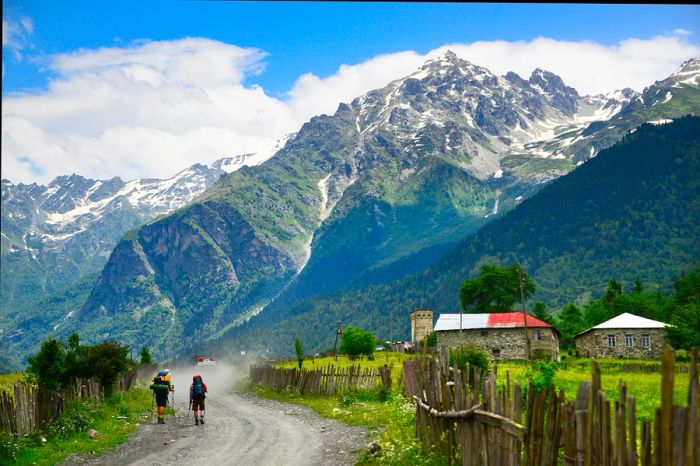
(624, 336)
(502, 335)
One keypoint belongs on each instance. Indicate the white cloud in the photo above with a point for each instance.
(15, 34)
(152, 108)
(682, 32)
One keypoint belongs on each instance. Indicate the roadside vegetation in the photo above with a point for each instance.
(85, 426)
(114, 418)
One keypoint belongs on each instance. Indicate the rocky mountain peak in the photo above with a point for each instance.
(688, 73)
(692, 65)
(552, 86)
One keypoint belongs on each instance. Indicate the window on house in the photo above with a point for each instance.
(645, 341)
(629, 340)
(611, 341)
(538, 334)
(496, 353)
(484, 333)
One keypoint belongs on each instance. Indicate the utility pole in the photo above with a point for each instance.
(391, 334)
(337, 333)
(522, 300)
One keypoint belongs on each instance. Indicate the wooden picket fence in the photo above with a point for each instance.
(328, 380)
(471, 423)
(27, 408)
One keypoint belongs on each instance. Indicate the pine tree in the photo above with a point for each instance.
(300, 352)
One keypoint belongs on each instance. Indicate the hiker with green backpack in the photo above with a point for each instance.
(162, 387)
(198, 392)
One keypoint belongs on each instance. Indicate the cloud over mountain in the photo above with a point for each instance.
(153, 107)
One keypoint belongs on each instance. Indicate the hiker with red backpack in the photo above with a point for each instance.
(198, 391)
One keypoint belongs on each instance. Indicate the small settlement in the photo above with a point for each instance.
(504, 336)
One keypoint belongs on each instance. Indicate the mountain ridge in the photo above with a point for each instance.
(450, 144)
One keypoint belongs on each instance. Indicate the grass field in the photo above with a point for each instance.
(7, 381)
(114, 419)
(644, 386)
(380, 359)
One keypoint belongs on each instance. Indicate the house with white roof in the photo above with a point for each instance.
(626, 335)
(503, 335)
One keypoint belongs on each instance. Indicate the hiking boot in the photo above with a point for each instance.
(196, 422)
(161, 420)
(201, 418)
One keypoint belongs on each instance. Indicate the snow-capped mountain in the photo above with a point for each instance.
(491, 124)
(54, 234)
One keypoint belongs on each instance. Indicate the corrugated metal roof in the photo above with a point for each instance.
(628, 320)
(493, 320)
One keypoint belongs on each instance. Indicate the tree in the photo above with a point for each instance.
(688, 288)
(541, 313)
(146, 356)
(570, 322)
(48, 367)
(300, 352)
(106, 360)
(357, 342)
(611, 296)
(74, 341)
(496, 289)
(684, 331)
(595, 313)
(638, 286)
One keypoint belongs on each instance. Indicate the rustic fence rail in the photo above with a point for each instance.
(27, 408)
(328, 380)
(471, 423)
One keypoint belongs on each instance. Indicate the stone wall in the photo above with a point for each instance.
(594, 344)
(421, 324)
(502, 343)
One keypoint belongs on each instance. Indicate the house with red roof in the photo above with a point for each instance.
(503, 335)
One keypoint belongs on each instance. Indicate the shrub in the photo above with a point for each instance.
(356, 342)
(468, 354)
(542, 374)
(347, 399)
(431, 339)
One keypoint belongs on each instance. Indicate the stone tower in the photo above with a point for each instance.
(421, 324)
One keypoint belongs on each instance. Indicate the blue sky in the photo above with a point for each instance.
(145, 89)
(303, 37)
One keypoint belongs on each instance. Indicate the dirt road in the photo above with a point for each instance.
(240, 429)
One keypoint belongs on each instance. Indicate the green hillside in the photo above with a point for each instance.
(634, 210)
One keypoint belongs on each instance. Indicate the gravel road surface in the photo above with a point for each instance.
(240, 429)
